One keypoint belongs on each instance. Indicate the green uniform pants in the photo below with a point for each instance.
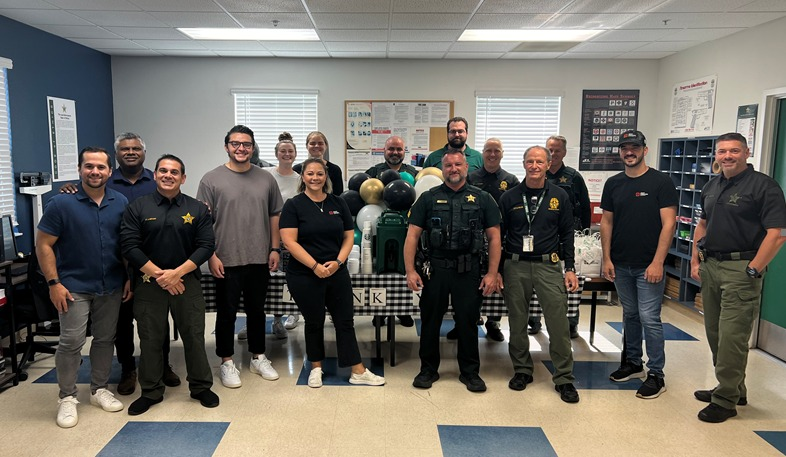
(151, 310)
(546, 279)
(731, 302)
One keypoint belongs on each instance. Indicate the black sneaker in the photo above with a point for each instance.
(452, 335)
(567, 393)
(406, 320)
(425, 379)
(519, 381)
(716, 413)
(628, 371)
(381, 321)
(706, 397)
(207, 398)
(473, 383)
(535, 329)
(142, 404)
(574, 332)
(652, 387)
(493, 332)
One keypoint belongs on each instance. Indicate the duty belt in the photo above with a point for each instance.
(545, 258)
(746, 255)
(462, 263)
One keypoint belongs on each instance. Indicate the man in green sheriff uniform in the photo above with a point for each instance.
(739, 233)
(458, 130)
(455, 216)
(394, 159)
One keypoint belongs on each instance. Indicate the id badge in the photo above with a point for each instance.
(528, 243)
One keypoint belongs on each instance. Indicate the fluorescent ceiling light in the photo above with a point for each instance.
(528, 35)
(251, 34)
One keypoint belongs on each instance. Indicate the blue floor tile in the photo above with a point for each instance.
(473, 441)
(447, 325)
(670, 332)
(335, 376)
(775, 439)
(170, 439)
(595, 375)
(83, 375)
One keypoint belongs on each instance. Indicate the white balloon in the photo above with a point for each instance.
(425, 183)
(370, 213)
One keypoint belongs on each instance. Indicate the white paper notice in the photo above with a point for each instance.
(359, 125)
(62, 138)
(693, 105)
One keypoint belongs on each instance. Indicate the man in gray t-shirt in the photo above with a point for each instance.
(245, 203)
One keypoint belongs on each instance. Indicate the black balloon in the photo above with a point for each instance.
(352, 197)
(399, 195)
(356, 180)
(388, 176)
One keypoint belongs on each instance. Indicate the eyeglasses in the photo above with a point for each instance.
(237, 144)
(457, 131)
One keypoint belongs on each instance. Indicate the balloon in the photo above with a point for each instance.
(370, 213)
(354, 201)
(399, 195)
(356, 180)
(425, 183)
(430, 171)
(371, 191)
(407, 177)
(358, 236)
(388, 176)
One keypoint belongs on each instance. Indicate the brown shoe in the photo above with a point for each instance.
(171, 379)
(127, 384)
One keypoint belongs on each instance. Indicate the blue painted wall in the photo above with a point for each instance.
(46, 65)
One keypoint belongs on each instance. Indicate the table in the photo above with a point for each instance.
(596, 285)
(380, 295)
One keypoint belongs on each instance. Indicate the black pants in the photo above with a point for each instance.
(250, 281)
(124, 338)
(312, 295)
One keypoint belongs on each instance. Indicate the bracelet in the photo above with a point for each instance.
(314, 268)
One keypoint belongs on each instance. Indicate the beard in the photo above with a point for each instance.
(634, 164)
(457, 143)
(455, 178)
(394, 160)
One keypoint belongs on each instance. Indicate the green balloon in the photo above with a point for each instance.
(407, 177)
(358, 236)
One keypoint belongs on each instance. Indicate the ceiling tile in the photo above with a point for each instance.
(257, 6)
(107, 44)
(699, 34)
(700, 6)
(149, 33)
(301, 54)
(78, 31)
(589, 55)
(265, 20)
(632, 35)
(611, 6)
(532, 55)
(131, 52)
(764, 5)
(611, 46)
(350, 21)
(26, 4)
(424, 35)
(120, 18)
(187, 53)
(348, 6)
(669, 46)
(171, 44)
(508, 21)
(351, 46)
(484, 46)
(196, 19)
(698, 20)
(353, 35)
(112, 5)
(434, 6)
(430, 46)
(588, 21)
(518, 6)
(178, 5)
(359, 55)
(225, 53)
(302, 46)
(429, 21)
(44, 17)
(474, 55)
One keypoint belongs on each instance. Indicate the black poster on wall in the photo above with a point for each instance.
(605, 115)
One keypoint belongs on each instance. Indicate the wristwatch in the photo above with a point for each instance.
(340, 263)
(567, 269)
(275, 250)
(53, 282)
(752, 272)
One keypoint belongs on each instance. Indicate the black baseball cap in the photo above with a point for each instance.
(632, 137)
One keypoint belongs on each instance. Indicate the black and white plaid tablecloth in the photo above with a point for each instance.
(398, 299)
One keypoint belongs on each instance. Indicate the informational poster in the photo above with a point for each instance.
(693, 106)
(370, 123)
(605, 115)
(746, 123)
(62, 138)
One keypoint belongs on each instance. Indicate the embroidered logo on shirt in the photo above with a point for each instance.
(641, 194)
(334, 213)
(471, 198)
(563, 179)
(734, 198)
(503, 185)
(188, 219)
(554, 204)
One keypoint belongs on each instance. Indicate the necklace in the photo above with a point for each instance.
(320, 207)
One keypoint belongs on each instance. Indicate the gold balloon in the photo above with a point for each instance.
(430, 171)
(371, 191)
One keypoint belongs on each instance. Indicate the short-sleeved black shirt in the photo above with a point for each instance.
(636, 204)
(321, 233)
(573, 183)
(493, 183)
(740, 210)
(377, 169)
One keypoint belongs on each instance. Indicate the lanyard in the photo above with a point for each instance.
(531, 217)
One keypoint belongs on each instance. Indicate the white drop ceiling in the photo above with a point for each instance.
(427, 29)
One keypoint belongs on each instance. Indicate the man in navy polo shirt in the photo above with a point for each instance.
(78, 248)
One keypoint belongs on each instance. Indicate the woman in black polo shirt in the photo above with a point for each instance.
(317, 228)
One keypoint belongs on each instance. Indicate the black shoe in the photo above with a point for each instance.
(706, 397)
(207, 398)
(574, 332)
(425, 379)
(473, 383)
(381, 320)
(452, 335)
(127, 384)
(535, 329)
(493, 332)
(171, 379)
(406, 320)
(519, 381)
(716, 414)
(142, 404)
(628, 371)
(652, 387)
(567, 393)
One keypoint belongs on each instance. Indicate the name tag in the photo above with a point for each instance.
(528, 243)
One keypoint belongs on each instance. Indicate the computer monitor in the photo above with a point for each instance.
(9, 241)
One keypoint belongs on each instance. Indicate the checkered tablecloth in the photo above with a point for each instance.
(383, 294)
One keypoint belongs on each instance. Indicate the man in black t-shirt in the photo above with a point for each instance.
(639, 217)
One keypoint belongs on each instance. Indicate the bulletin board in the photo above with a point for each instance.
(368, 123)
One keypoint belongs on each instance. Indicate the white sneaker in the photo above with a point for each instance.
(291, 321)
(315, 378)
(230, 375)
(263, 367)
(66, 412)
(279, 330)
(367, 379)
(106, 400)
(243, 334)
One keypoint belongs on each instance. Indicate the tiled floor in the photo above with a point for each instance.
(287, 418)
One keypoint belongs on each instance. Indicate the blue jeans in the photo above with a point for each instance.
(641, 303)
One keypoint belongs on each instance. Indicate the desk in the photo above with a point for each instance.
(596, 285)
(382, 295)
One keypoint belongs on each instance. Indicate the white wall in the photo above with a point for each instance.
(183, 106)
